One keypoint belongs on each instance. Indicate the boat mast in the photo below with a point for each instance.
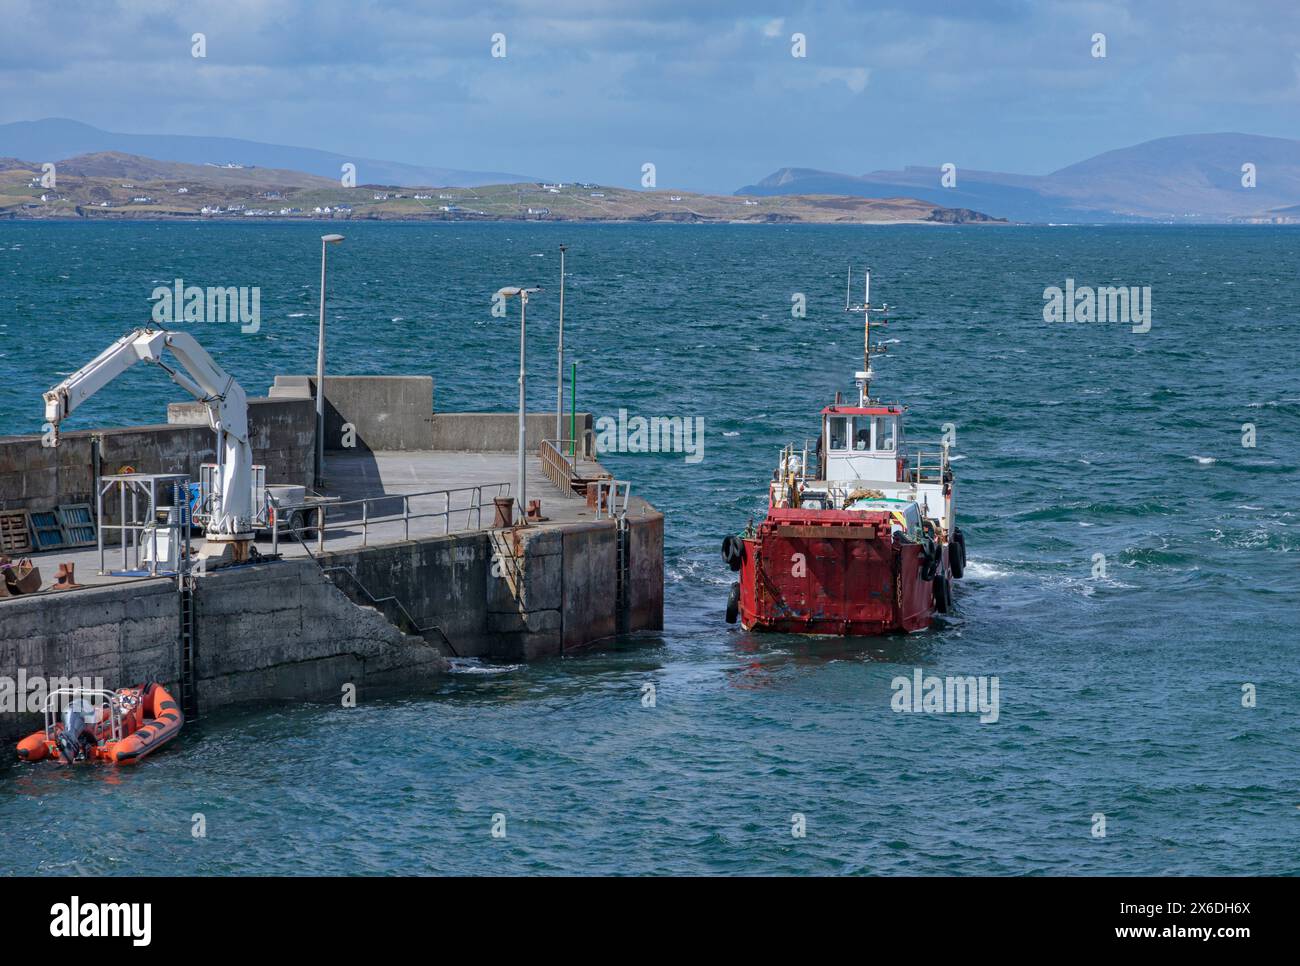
(866, 331)
(864, 377)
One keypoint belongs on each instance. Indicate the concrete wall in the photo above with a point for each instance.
(497, 432)
(514, 594)
(282, 630)
(501, 594)
(385, 412)
(438, 581)
(36, 477)
(282, 431)
(525, 593)
(645, 567)
(396, 413)
(271, 631)
(286, 630)
(590, 583)
(124, 634)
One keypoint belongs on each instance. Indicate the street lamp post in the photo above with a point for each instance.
(559, 371)
(522, 485)
(320, 366)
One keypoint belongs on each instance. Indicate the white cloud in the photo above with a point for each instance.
(854, 78)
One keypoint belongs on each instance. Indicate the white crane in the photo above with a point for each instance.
(231, 521)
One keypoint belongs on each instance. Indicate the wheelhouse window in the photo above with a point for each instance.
(884, 432)
(862, 432)
(838, 432)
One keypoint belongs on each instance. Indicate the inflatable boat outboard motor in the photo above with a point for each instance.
(78, 734)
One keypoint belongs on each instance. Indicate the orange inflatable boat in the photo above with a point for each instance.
(120, 727)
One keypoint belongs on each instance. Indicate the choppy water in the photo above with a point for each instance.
(1119, 694)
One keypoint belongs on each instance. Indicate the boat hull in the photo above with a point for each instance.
(835, 573)
(154, 722)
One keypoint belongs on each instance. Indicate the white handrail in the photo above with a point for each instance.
(615, 489)
(109, 698)
(474, 510)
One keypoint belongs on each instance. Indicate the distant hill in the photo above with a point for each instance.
(54, 138)
(1193, 178)
(113, 164)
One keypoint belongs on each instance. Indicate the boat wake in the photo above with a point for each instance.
(472, 665)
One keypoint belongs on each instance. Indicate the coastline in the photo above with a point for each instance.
(192, 218)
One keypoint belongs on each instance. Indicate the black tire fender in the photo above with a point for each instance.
(942, 593)
(957, 554)
(733, 603)
(930, 557)
(733, 551)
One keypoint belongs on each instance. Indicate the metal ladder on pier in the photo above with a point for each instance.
(504, 563)
(623, 580)
(188, 639)
(612, 499)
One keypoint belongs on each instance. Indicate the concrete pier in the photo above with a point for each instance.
(389, 599)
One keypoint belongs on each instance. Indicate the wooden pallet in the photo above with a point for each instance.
(46, 529)
(15, 533)
(78, 524)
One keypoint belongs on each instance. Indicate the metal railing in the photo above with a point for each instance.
(929, 467)
(611, 497)
(59, 700)
(560, 467)
(370, 517)
(561, 459)
(407, 624)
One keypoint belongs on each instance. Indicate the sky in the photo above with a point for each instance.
(706, 90)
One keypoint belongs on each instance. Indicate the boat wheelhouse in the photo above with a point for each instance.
(863, 448)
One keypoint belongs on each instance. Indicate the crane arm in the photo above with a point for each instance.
(206, 381)
(90, 378)
(203, 379)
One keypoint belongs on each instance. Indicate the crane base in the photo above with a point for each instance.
(223, 551)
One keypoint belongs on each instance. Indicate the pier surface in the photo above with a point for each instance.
(366, 475)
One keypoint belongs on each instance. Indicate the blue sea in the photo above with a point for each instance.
(1132, 582)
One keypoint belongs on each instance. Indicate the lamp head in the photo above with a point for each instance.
(512, 290)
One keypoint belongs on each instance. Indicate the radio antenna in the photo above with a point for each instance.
(864, 377)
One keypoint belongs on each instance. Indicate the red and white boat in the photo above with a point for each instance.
(860, 536)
